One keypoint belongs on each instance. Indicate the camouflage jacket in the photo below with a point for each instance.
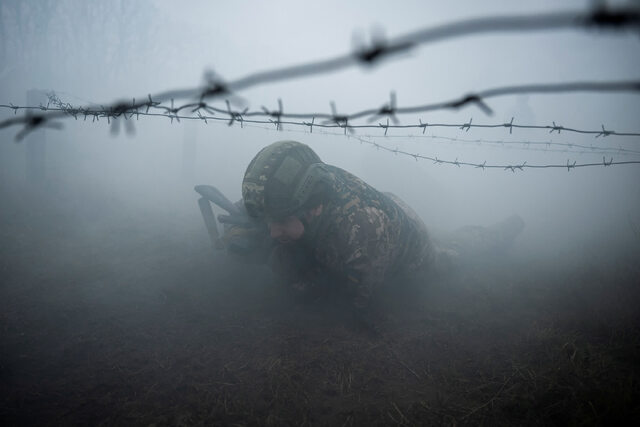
(361, 238)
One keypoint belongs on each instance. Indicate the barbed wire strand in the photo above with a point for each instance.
(378, 48)
(507, 167)
(232, 116)
(525, 144)
(568, 147)
(396, 151)
(521, 145)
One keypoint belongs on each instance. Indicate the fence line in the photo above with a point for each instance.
(507, 167)
(60, 109)
(396, 151)
(568, 147)
(526, 145)
(378, 49)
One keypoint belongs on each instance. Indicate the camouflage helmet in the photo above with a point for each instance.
(280, 179)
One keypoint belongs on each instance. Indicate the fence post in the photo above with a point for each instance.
(189, 149)
(36, 149)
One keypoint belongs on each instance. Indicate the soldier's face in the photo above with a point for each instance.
(287, 230)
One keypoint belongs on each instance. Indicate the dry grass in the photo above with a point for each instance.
(130, 325)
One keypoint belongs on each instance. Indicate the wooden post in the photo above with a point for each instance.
(189, 149)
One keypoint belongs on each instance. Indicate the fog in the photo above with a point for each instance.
(104, 248)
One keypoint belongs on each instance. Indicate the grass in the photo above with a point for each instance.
(139, 327)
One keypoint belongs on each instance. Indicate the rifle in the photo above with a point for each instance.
(243, 235)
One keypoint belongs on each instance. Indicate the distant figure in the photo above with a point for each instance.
(319, 226)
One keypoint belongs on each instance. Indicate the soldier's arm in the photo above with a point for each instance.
(366, 253)
(245, 237)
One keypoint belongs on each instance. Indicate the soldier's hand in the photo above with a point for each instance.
(248, 240)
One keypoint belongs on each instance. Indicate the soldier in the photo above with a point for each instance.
(322, 228)
(329, 227)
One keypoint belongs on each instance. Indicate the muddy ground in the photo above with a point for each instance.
(112, 316)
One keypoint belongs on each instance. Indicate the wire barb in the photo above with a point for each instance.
(310, 124)
(510, 167)
(510, 126)
(381, 47)
(338, 120)
(203, 118)
(385, 127)
(277, 114)
(605, 133)
(423, 125)
(555, 128)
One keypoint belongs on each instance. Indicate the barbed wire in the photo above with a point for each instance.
(436, 160)
(370, 54)
(567, 147)
(391, 110)
(507, 167)
(415, 156)
(232, 117)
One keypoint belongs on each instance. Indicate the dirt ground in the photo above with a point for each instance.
(115, 318)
